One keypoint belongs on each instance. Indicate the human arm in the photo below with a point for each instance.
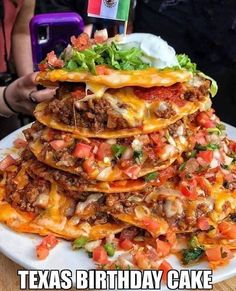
(21, 45)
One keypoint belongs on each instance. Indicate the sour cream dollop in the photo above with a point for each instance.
(156, 51)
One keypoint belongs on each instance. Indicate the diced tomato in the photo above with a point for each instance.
(171, 237)
(54, 61)
(7, 162)
(20, 143)
(232, 146)
(49, 241)
(126, 244)
(204, 120)
(165, 267)
(100, 36)
(42, 252)
(100, 255)
(82, 150)
(214, 254)
(203, 183)
(90, 167)
(78, 93)
(156, 138)
(151, 224)
(43, 66)
(218, 253)
(104, 150)
(188, 189)
(103, 70)
(165, 175)
(126, 164)
(207, 156)
(81, 42)
(163, 248)
(227, 229)
(203, 223)
(132, 171)
(58, 144)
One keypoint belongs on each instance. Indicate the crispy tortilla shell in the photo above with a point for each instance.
(117, 79)
(149, 124)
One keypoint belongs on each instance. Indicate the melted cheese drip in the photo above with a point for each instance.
(221, 196)
(118, 79)
(97, 89)
(134, 108)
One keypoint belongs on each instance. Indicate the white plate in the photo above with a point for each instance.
(21, 247)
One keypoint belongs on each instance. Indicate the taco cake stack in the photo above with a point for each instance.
(129, 155)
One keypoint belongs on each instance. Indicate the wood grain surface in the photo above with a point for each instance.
(10, 282)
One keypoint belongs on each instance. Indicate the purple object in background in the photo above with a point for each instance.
(52, 31)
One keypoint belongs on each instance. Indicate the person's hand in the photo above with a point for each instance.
(22, 95)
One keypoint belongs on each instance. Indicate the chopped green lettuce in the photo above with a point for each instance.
(105, 54)
(186, 63)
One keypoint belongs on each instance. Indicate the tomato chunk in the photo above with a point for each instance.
(42, 252)
(126, 244)
(54, 61)
(7, 162)
(100, 255)
(204, 120)
(218, 253)
(48, 243)
(203, 223)
(81, 42)
(188, 189)
(58, 144)
(151, 224)
(104, 150)
(163, 248)
(103, 70)
(227, 229)
(165, 267)
(20, 143)
(207, 156)
(171, 237)
(132, 171)
(82, 150)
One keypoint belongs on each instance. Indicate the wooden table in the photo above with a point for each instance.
(9, 280)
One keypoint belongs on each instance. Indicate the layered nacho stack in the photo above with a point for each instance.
(128, 156)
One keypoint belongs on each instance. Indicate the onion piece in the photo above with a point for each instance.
(91, 199)
(42, 200)
(127, 154)
(104, 174)
(141, 211)
(162, 191)
(90, 246)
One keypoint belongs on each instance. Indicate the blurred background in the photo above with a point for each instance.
(203, 29)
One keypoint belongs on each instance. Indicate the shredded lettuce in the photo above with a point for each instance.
(186, 63)
(214, 87)
(105, 54)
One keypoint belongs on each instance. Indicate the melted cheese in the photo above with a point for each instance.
(118, 79)
(126, 103)
(98, 90)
